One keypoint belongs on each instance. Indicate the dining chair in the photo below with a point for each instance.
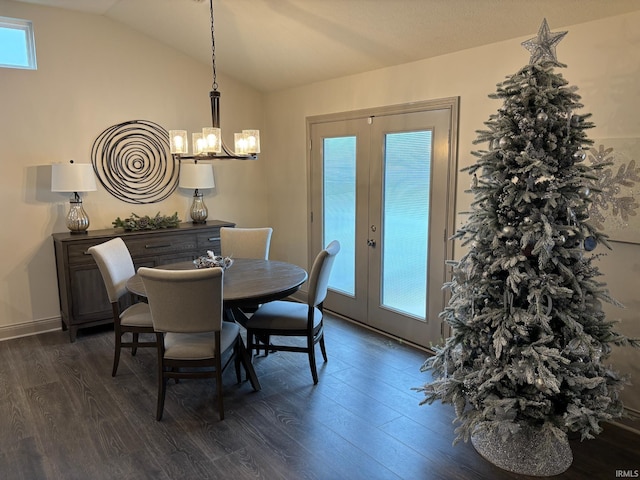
(294, 319)
(186, 310)
(116, 267)
(245, 242)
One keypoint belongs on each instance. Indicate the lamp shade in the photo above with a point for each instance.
(72, 177)
(196, 175)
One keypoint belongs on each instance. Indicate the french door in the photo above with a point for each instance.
(383, 184)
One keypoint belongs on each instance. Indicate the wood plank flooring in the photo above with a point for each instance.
(62, 416)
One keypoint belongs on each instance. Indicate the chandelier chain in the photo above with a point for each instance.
(213, 47)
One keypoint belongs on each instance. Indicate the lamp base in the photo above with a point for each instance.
(199, 211)
(77, 218)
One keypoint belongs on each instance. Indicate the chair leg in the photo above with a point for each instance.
(116, 352)
(250, 344)
(312, 360)
(322, 348)
(219, 390)
(162, 390)
(162, 380)
(134, 349)
(237, 362)
(267, 341)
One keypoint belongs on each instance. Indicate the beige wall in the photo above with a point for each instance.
(94, 73)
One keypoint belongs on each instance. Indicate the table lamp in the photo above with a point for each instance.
(197, 176)
(74, 177)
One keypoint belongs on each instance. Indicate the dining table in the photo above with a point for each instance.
(247, 283)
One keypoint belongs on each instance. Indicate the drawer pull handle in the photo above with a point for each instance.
(158, 246)
(213, 239)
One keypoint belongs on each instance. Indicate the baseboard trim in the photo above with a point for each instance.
(368, 327)
(631, 422)
(25, 329)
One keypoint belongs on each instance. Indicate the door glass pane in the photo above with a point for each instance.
(340, 209)
(407, 173)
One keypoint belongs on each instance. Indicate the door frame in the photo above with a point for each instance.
(450, 103)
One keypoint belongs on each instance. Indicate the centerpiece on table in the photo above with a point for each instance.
(212, 260)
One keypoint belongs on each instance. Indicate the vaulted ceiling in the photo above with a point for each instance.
(277, 44)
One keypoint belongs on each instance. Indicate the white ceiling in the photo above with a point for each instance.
(277, 44)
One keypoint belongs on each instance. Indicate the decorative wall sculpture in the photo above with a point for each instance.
(133, 163)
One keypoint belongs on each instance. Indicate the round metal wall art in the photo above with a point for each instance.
(133, 163)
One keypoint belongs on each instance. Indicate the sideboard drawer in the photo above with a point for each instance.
(160, 245)
(78, 252)
(209, 241)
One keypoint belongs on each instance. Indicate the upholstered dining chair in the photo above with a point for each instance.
(245, 242)
(116, 267)
(186, 309)
(293, 319)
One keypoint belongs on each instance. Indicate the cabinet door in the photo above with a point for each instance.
(89, 299)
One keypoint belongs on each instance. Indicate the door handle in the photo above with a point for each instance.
(371, 242)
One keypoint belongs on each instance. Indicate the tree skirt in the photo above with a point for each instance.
(531, 451)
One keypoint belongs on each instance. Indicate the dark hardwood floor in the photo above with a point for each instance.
(62, 416)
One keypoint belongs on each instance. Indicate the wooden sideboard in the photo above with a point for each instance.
(83, 297)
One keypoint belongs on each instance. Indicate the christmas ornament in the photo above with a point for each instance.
(542, 117)
(508, 231)
(590, 243)
(504, 142)
(543, 47)
(584, 191)
(527, 220)
(561, 240)
(579, 155)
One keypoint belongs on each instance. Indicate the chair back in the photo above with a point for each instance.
(320, 272)
(184, 301)
(245, 242)
(115, 265)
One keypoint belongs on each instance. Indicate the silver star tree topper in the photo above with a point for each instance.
(543, 47)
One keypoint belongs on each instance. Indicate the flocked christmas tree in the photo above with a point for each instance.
(530, 338)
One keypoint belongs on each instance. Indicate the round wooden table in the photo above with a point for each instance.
(247, 283)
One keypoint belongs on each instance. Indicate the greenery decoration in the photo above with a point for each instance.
(136, 222)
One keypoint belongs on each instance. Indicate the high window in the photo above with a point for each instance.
(17, 44)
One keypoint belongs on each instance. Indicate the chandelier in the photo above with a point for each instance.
(208, 144)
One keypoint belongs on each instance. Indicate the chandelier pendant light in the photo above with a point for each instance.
(208, 145)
